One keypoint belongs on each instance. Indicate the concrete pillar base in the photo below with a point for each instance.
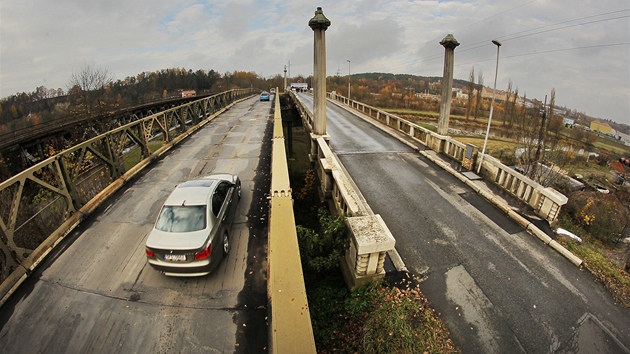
(354, 280)
(314, 151)
(370, 240)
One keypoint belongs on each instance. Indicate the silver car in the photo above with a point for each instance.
(192, 232)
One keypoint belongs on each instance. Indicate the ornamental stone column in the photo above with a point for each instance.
(449, 43)
(319, 23)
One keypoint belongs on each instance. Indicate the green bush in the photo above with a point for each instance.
(321, 250)
(601, 215)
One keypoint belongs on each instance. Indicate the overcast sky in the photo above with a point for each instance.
(580, 48)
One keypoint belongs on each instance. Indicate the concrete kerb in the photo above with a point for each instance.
(484, 192)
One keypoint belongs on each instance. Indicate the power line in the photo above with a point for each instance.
(538, 52)
(574, 25)
(485, 19)
(474, 23)
(507, 37)
(578, 19)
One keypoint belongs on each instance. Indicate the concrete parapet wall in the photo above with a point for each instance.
(545, 201)
(290, 329)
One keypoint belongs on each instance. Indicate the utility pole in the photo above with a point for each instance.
(494, 91)
(348, 79)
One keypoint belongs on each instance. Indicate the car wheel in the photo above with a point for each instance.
(226, 244)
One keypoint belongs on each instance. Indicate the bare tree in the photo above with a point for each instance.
(479, 94)
(471, 91)
(540, 141)
(513, 108)
(87, 89)
(554, 125)
(527, 128)
(543, 155)
(506, 103)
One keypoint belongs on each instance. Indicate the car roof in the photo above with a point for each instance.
(195, 192)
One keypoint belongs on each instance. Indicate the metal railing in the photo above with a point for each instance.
(28, 132)
(42, 204)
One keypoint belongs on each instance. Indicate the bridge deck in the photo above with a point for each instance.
(99, 295)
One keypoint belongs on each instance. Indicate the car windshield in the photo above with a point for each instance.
(182, 218)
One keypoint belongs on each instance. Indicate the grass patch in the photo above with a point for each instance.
(430, 127)
(397, 319)
(612, 146)
(135, 155)
(399, 111)
(603, 267)
(502, 149)
(377, 318)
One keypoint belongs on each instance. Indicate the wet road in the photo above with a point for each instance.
(498, 289)
(96, 294)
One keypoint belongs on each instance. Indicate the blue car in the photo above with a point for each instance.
(264, 96)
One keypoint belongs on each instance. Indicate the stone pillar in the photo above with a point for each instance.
(449, 43)
(370, 240)
(319, 23)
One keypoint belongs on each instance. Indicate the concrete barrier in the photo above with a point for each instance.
(290, 329)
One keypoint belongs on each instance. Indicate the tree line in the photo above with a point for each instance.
(93, 91)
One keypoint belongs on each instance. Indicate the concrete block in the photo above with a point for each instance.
(370, 234)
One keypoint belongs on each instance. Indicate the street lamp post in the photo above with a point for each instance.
(348, 78)
(494, 90)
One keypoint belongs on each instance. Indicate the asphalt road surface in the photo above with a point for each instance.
(96, 293)
(498, 289)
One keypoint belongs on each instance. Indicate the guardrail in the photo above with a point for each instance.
(42, 204)
(545, 201)
(290, 329)
(369, 235)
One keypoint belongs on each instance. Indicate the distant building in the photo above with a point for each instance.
(601, 127)
(568, 122)
(189, 93)
(625, 138)
(459, 94)
(299, 86)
